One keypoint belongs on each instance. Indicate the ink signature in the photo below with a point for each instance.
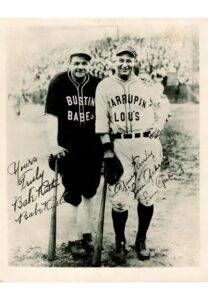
(39, 209)
(149, 176)
(22, 172)
(31, 180)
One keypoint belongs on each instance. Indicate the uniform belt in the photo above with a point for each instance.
(131, 135)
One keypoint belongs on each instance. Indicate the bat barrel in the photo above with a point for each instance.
(52, 234)
(96, 261)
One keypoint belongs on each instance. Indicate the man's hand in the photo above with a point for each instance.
(61, 155)
(108, 150)
(57, 151)
(108, 154)
(155, 131)
(113, 166)
(114, 169)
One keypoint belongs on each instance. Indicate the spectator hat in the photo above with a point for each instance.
(80, 51)
(126, 48)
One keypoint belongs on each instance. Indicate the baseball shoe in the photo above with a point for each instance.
(142, 251)
(87, 242)
(119, 254)
(76, 249)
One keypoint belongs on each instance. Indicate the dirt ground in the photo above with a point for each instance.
(173, 236)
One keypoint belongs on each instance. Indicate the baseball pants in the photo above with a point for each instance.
(141, 159)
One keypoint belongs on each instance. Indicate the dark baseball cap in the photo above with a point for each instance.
(126, 48)
(80, 51)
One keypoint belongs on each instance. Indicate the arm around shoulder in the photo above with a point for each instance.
(161, 110)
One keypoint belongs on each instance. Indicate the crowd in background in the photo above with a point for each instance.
(153, 54)
(167, 55)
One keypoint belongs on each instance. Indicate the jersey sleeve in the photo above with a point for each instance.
(102, 111)
(161, 108)
(51, 99)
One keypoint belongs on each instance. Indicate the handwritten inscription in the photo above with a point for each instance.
(46, 186)
(39, 209)
(162, 179)
(147, 197)
(138, 162)
(19, 202)
(145, 175)
(31, 181)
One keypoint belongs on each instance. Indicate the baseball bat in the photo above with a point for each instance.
(96, 261)
(52, 233)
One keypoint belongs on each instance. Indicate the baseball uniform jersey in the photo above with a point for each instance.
(74, 106)
(127, 110)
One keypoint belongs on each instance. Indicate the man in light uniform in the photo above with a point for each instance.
(129, 120)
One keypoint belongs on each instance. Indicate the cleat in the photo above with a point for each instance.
(119, 254)
(142, 251)
(76, 249)
(87, 242)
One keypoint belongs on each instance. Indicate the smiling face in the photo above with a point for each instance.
(79, 66)
(124, 65)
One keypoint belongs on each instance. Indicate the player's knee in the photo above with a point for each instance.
(89, 193)
(119, 207)
(72, 199)
(147, 202)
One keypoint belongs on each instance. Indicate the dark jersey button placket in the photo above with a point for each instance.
(82, 95)
(79, 91)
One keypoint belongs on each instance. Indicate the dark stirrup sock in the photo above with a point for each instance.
(145, 214)
(119, 223)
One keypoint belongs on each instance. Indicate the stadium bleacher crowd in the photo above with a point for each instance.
(170, 56)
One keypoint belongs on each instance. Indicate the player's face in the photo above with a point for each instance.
(124, 65)
(79, 66)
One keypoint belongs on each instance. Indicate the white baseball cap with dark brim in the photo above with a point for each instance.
(127, 48)
(80, 51)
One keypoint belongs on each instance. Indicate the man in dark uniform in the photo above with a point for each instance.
(70, 109)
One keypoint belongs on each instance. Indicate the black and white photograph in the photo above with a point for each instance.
(103, 135)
